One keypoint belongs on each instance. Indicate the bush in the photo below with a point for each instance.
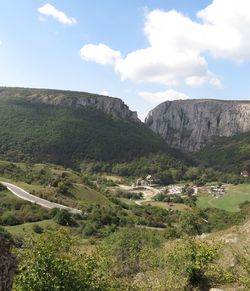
(63, 217)
(2, 187)
(51, 262)
(90, 229)
(37, 228)
(9, 218)
(124, 249)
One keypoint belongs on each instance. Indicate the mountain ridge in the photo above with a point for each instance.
(35, 127)
(110, 105)
(189, 125)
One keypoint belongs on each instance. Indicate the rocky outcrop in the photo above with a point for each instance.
(8, 263)
(189, 125)
(109, 105)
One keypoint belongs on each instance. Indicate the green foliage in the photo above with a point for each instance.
(64, 187)
(9, 218)
(63, 217)
(5, 235)
(242, 271)
(191, 223)
(51, 262)
(2, 187)
(39, 174)
(153, 216)
(163, 167)
(129, 195)
(192, 259)
(125, 249)
(90, 229)
(227, 154)
(14, 210)
(97, 218)
(37, 228)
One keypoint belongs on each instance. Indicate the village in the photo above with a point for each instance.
(149, 189)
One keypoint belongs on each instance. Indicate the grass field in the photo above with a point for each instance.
(27, 228)
(85, 196)
(234, 196)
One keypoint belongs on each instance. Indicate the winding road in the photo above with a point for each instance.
(36, 200)
(148, 197)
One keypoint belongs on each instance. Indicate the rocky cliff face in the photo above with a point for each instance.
(189, 125)
(109, 105)
(8, 263)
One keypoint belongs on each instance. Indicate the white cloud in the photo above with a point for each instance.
(158, 97)
(178, 46)
(50, 10)
(104, 93)
(100, 54)
(42, 19)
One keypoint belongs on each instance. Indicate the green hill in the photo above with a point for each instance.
(36, 127)
(227, 153)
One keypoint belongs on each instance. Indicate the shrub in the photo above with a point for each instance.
(9, 218)
(51, 262)
(63, 217)
(37, 228)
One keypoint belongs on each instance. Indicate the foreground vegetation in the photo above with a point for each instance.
(129, 259)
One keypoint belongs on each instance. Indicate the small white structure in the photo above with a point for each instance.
(174, 190)
(143, 182)
(218, 191)
(245, 174)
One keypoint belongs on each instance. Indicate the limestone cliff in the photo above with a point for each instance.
(189, 125)
(109, 105)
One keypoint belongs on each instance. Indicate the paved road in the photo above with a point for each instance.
(148, 197)
(34, 199)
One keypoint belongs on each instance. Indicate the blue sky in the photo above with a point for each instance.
(144, 52)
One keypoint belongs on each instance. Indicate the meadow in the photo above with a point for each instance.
(234, 196)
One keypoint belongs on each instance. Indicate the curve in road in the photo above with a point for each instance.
(37, 200)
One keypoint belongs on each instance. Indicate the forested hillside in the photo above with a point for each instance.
(228, 154)
(35, 131)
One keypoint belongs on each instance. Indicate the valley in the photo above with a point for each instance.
(83, 170)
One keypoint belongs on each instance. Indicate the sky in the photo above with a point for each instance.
(144, 52)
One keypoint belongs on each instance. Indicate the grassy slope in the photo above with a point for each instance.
(82, 195)
(27, 228)
(165, 205)
(231, 153)
(36, 178)
(230, 201)
(39, 132)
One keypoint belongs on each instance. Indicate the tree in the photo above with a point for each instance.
(63, 217)
(51, 262)
(124, 250)
(192, 259)
(191, 222)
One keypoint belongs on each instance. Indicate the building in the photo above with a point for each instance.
(245, 174)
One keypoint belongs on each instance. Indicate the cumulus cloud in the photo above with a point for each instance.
(158, 97)
(101, 54)
(50, 10)
(179, 46)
